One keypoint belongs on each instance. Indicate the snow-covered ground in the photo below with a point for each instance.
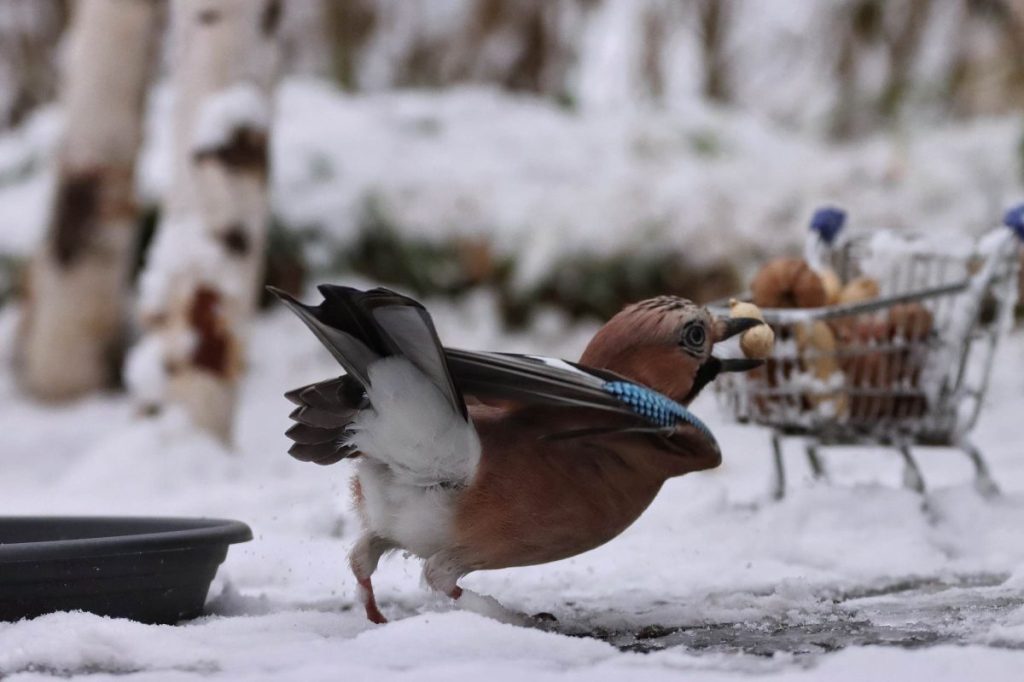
(854, 580)
(714, 580)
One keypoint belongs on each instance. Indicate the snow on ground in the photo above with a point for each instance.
(714, 580)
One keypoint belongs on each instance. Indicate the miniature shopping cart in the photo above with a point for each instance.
(908, 368)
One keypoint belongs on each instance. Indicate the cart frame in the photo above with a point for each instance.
(889, 386)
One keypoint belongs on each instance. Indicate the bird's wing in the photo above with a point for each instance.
(529, 379)
(533, 380)
(389, 347)
(406, 330)
(398, 403)
(361, 327)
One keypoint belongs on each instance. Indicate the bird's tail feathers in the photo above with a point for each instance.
(323, 419)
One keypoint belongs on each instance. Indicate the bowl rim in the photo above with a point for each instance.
(146, 534)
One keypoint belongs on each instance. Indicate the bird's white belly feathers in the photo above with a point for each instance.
(419, 519)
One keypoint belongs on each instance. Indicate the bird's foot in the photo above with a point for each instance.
(373, 613)
(490, 607)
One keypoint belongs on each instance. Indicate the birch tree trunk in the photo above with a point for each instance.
(30, 34)
(71, 332)
(714, 17)
(200, 284)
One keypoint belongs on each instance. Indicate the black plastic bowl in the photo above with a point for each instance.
(151, 570)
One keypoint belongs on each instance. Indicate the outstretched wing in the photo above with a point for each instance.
(533, 380)
(361, 327)
(397, 403)
(378, 332)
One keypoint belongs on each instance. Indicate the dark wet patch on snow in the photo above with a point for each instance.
(907, 613)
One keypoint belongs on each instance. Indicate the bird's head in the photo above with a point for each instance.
(665, 343)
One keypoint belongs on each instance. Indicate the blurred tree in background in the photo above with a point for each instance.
(837, 71)
(865, 59)
(76, 294)
(29, 33)
(201, 280)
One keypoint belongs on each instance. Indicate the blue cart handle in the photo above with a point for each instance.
(827, 222)
(1014, 219)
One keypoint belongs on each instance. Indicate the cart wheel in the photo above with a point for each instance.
(983, 481)
(912, 478)
(779, 484)
(817, 466)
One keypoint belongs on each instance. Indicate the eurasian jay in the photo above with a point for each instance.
(479, 460)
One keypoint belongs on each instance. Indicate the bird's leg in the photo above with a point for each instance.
(442, 572)
(363, 559)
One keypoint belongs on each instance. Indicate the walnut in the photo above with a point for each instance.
(759, 341)
(816, 344)
(910, 321)
(859, 290)
(788, 283)
(833, 285)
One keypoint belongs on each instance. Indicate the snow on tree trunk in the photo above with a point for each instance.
(199, 287)
(71, 333)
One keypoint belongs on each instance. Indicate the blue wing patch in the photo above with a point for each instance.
(655, 407)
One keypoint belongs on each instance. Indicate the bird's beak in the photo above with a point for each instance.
(728, 327)
(738, 364)
(724, 328)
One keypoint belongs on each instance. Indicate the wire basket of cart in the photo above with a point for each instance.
(907, 368)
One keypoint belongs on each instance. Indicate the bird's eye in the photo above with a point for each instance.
(694, 336)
